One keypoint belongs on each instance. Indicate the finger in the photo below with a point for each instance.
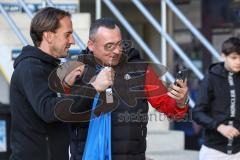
(78, 71)
(77, 74)
(235, 132)
(231, 136)
(78, 68)
(238, 133)
(174, 92)
(181, 84)
(228, 135)
(175, 87)
(171, 95)
(181, 92)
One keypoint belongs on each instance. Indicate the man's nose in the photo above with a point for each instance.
(117, 49)
(72, 41)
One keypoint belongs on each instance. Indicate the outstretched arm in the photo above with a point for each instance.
(168, 102)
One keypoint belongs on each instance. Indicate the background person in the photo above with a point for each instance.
(217, 107)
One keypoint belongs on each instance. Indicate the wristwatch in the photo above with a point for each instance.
(182, 105)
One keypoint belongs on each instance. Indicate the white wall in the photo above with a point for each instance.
(4, 90)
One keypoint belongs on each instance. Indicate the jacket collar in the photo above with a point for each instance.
(34, 52)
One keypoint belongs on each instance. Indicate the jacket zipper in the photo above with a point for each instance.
(232, 108)
(142, 130)
(76, 131)
(48, 148)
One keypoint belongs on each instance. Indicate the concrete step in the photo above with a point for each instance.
(165, 141)
(157, 121)
(174, 155)
(4, 94)
(159, 138)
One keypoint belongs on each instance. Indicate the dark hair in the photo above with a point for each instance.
(102, 22)
(46, 19)
(231, 45)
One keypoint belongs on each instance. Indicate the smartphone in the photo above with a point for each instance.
(182, 75)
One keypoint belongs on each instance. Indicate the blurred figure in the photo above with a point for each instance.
(192, 131)
(218, 104)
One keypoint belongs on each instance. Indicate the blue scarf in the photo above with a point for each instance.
(98, 144)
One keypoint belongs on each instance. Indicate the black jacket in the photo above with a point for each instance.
(213, 107)
(35, 132)
(128, 130)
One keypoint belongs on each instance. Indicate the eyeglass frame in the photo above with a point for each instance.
(115, 45)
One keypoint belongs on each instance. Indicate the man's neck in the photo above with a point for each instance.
(44, 46)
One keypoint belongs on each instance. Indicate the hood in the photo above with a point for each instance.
(218, 69)
(34, 52)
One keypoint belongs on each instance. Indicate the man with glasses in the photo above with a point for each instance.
(124, 85)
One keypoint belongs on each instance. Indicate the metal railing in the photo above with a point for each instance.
(13, 26)
(132, 32)
(193, 29)
(138, 39)
(189, 25)
(174, 45)
(135, 35)
(51, 4)
(78, 41)
(26, 9)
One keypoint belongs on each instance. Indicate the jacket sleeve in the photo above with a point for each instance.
(201, 111)
(36, 88)
(156, 94)
(34, 83)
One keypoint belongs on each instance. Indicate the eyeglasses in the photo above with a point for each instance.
(123, 45)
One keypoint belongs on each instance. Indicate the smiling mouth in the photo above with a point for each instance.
(115, 57)
(67, 48)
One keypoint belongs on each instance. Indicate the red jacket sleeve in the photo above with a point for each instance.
(156, 94)
(67, 90)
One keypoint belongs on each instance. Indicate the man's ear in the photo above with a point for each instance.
(48, 36)
(90, 45)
